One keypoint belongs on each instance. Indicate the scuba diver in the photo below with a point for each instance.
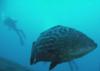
(12, 25)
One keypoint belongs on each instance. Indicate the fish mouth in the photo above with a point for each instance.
(83, 51)
(94, 44)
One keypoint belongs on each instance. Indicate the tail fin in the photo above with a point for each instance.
(33, 59)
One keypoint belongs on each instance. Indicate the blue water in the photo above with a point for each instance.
(35, 16)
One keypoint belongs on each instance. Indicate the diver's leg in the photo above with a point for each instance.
(22, 32)
(20, 37)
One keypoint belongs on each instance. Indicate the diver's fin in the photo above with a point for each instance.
(53, 64)
(73, 64)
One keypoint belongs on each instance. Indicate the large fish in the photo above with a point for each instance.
(60, 44)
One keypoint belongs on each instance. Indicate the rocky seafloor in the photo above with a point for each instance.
(8, 65)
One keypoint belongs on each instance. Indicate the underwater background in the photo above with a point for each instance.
(35, 16)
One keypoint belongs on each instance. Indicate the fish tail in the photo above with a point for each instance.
(33, 58)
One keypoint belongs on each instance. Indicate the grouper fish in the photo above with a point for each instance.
(60, 44)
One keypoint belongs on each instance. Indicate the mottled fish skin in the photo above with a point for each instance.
(63, 44)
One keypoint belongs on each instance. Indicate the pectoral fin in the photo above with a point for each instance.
(53, 64)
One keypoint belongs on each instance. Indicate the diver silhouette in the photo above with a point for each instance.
(12, 25)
